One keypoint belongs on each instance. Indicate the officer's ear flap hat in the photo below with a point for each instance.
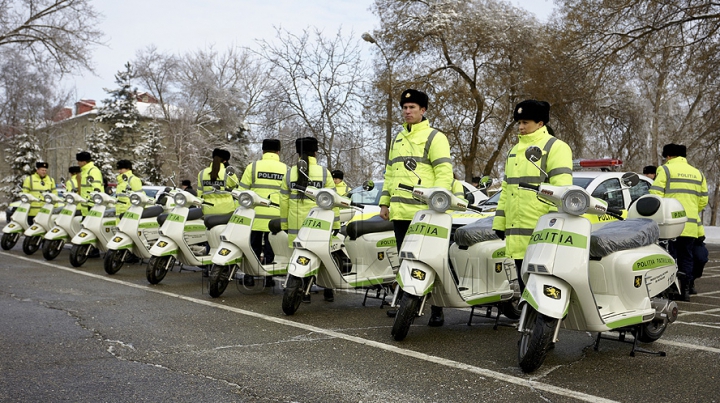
(83, 156)
(337, 174)
(223, 154)
(674, 150)
(537, 111)
(306, 145)
(650, 169)
(414, 96)
(74, 170)
(271, 145)
(41, 165)
(123, 164)
(186, 182)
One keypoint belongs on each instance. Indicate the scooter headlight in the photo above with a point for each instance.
(180, 199)
(69, 199)
(48, 199)
(246, 200)
(97, 199)
(439, 201)
(24, 199)
(135, 199)
(575, 202)
(325, 200)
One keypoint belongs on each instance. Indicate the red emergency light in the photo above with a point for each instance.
(599, 163)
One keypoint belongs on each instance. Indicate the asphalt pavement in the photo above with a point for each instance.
(81, 335)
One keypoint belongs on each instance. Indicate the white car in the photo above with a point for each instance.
(473, 195)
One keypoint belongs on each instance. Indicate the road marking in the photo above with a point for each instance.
(688, 345)
(503, 377)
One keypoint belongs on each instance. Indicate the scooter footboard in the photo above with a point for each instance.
(303, 263)
(416, 277)
(548, 295)
(84, 237)
(227, 254)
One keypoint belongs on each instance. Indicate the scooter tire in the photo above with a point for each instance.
(79, 254)
(535, 340)
(219, 279)
(31, 244)
(156, 269)
(51, 249)
(510, 309)
(292, 295)
(651, 331)
(113, 261)
(9, 240)
(406, 314)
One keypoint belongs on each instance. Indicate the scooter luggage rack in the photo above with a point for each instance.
(488, 314)
(634, 342)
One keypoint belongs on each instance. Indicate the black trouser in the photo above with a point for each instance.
(260, 243)
(682, 249)
(518, 268)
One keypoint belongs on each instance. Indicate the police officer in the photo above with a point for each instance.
(340, 186)
(186, 185)
(650, 171)
(518, 211)
(679, 180)
(88, 170)
(295, 206)
(36, 184)
(431, 150)
(126, 182)
(265, 178)
(73, 184)
(212, 176)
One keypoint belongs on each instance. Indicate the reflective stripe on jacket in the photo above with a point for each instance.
(679, 180)
(293, 207)
(126, 182)
(342, 188)
(36, 186)
(265, 178)
(519, 210)
(89, 170)
(431, 150)
(222, 203)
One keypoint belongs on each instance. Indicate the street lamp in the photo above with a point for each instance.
(389, 103)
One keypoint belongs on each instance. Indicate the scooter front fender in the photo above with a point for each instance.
(56, 233)
(35, 230)
(227, 254)
(164, 247)
(549, 295)
(12, 227)
(303, 263)
(84, 237)
(416, 277)
(120, 241)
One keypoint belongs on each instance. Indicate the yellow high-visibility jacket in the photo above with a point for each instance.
(679, 180)
(221, 203)
(36, 186)
(89, 170)
(126, 183)
(265, 178)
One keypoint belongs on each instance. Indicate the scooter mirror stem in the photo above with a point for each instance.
(410, 164)
(534, 154)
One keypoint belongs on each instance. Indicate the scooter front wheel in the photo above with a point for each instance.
(9, 240)
(219, 279)
(31, 244)
(406, 314)
(51, 249)
(292, 296)
(79, 254)
(651, 331)
(157, 269)
(535, 340)
(114, 260)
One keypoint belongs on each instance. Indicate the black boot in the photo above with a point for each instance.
(329, 295)
(693, 291)
(437, 318)
(269, 282)
(684, 290)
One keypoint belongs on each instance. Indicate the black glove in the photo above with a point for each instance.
(500, 234)
(700, 240)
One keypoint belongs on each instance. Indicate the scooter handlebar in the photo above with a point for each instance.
(615, 213)
(274, 204)
(529, 186)
(474, 208)
(300, 188)
(360, 205)
(208, 203)
(404, 186)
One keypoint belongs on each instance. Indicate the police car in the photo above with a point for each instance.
(601, 181)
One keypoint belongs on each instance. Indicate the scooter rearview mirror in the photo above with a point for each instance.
(302, 166)
(368, 185)
(485, 181)
(533, 153)
(411, 165)
(630, 179)
(90, 179)
(230, 171)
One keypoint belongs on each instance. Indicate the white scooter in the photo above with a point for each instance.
(136, 233)
(483, 276)
(18, 222)
(612, 279)
(97, 229)
(367, 259)
(235, 252)
(44, 221)
(67, 225)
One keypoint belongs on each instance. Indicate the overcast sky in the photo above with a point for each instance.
(179, 26)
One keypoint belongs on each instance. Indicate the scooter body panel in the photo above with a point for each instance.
(313, 246)
(178, 235)
(19, 222)
(67, 224)
(44, 220)
(97, 228)
(135, 233)
(374, 259)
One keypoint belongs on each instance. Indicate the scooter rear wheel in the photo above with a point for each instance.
(510, 309)
(51, 249)
(114, 260)
(292, 296)
(651, 331)
(219, 279)
(406, 314)
(31, 244)
(9, 240)
(535, 340)
(156, 269)
(79, 254)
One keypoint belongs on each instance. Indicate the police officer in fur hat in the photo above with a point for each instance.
(214, 176)
(126, 182)
(340, 186)
(37, 184)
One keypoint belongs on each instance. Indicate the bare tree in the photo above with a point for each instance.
(56, 31)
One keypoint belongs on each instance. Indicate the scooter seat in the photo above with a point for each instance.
(357, 229)
(623, 235)
(475, 232)
(193, 214)
(216, 219)
(274, 226)
(152, 211)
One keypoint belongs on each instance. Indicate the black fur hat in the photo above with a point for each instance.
(414, 96)
(337, 174)
(74, 170)
(83, 156)
(306, 145)
(223, 154)
(42, 165)
(674, 150)
(123, 164)
(650, 169)
(271, 145)
(537, 111)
